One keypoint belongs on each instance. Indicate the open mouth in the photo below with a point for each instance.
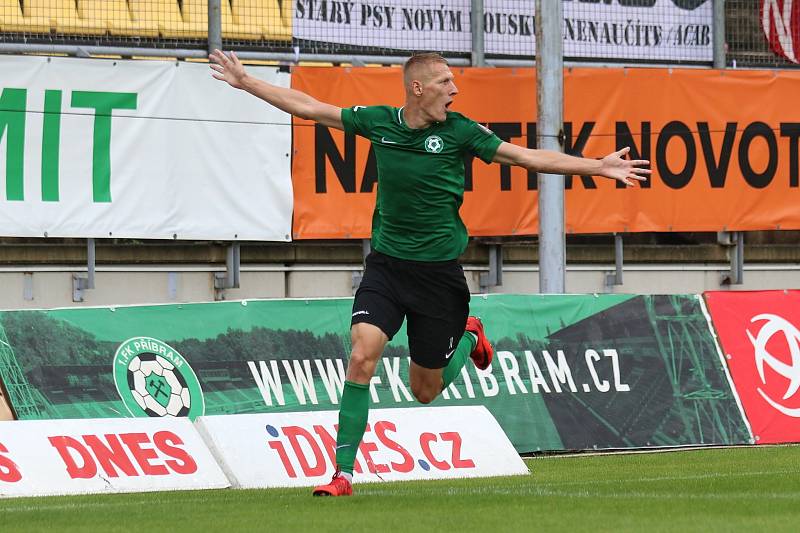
(448, 104)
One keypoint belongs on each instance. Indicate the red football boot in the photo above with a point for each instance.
(339, 486)
(483, 352)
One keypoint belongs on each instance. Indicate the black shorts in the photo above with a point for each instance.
(434, 298)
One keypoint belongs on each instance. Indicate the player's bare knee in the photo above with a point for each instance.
(424, 394)
(361, 366)
(426, 397)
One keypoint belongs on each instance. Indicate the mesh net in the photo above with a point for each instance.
(642, 31)
(147, 23)
(747, 34)
(263, 24)
(759, 33)
(387, 28)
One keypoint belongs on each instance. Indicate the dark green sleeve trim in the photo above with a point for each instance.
(488, 148)
(491, 148)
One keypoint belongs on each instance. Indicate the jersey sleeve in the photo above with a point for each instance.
(480, 140)
(359, 119)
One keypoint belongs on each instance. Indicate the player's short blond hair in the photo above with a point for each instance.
(412, 65)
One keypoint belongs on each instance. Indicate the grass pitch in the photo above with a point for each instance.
(733, 489)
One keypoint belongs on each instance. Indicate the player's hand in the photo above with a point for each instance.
(627, 171)
(228, 68)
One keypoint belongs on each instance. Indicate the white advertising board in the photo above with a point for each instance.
(648, 30)
(298, 449)
(140, 149)
(48, 457)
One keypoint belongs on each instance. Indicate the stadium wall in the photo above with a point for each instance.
(52, 286)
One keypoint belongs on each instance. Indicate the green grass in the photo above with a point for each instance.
(733, 489)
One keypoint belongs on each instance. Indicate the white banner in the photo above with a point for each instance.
(48, 457)
(140, 149)
(649, 30)
(299, 449)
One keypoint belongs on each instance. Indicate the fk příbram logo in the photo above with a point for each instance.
(153, 379)
(434, 144)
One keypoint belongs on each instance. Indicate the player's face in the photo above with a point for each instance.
(438, 92)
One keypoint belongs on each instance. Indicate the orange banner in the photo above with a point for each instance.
(723, 147)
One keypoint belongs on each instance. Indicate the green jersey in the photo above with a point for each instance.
(420, 180)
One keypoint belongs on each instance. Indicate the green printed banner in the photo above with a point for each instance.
(570, 372)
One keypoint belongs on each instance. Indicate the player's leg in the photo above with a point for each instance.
(426, 383)
(438, 303)
(442, 338)
(368, 343)
(376, 318)
(472, 341)
(436, 357)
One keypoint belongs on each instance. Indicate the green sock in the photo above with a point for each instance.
(459, 358)
(352, 423)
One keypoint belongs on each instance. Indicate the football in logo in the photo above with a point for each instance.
(156, 387)
(153, 379)
(434, 144)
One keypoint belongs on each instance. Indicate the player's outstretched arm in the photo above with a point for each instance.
(228, 68)
(612, 166)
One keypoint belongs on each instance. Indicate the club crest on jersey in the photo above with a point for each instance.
(434, 144)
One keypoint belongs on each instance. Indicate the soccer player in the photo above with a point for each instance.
(417, 233)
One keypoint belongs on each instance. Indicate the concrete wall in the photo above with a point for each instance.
(52, 286)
